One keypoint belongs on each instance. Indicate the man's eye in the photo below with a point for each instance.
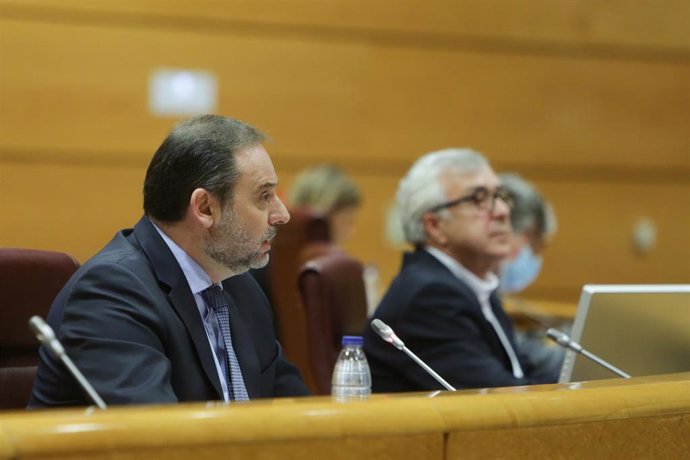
(480, 195)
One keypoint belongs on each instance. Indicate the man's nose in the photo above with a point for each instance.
(500, 208)
(279, 215)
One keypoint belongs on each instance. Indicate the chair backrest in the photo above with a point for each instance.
(334, 299)
(304, 227)
(30, 280)
(15, 386)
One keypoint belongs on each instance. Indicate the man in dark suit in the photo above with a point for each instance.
(166, 311)
(443, 303)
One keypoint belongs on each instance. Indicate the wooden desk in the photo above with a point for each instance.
(528, 313)
(637, 418)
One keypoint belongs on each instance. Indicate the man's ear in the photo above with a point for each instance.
(432, 223)
(204, 208)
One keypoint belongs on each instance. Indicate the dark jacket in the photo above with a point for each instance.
(439, 319)
(129, 321)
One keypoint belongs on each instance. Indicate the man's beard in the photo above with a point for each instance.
(231, 246)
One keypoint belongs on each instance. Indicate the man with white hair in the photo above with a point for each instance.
(443, 303)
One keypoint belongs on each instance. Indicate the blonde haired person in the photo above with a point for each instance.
(328, 190)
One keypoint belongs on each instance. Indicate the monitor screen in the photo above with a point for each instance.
(640, 329)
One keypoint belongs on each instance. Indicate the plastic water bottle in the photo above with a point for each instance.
(351, 376)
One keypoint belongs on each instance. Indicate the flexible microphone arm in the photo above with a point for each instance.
(387, 334)
(565, 341)
(46, 336)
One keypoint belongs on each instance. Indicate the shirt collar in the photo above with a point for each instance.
(481, 288)
(197, 278)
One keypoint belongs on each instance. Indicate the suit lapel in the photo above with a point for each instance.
(181, 298)
(469, 298)
(184, 304)
(431, 263)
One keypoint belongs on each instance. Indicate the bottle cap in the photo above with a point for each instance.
(353, 340)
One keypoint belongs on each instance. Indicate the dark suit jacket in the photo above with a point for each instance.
(439, 319)
(129, 322)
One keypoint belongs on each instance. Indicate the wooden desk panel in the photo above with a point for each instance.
(640, 417)
(636, 418)
(289, 429)
(636, 438)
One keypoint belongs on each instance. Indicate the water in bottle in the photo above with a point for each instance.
(351, 376)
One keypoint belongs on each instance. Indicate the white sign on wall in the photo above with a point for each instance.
(182, 92)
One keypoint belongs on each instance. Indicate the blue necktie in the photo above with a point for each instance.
(215, 300)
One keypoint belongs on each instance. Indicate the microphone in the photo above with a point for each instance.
(565, 341)
(387, 334)
(44, 333)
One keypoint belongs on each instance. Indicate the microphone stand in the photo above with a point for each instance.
(45, 334)
(424, 366)
(564, 340)
(601, 362)
(386, 333)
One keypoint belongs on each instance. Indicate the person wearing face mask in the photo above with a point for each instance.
(327, 190)
(521, 271)
(534, 224)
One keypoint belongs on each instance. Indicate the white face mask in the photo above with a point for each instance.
(520, 272)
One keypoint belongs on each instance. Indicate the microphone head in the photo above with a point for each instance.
(386, 333)
(41, 329)
(44, 333)
(382, 329)
(559, 337)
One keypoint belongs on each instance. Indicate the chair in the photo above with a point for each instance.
(305, 227)
(15, 386)
(334, 299)
(29, 282)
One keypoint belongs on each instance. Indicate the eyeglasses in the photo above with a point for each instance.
(482, 198)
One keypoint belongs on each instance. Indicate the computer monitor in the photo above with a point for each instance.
(640, 329)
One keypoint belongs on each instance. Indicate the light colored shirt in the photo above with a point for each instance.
(482, 289)
(198, 281)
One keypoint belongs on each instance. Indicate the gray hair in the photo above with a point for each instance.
(530, 210)
(420, 189)
(198, 153)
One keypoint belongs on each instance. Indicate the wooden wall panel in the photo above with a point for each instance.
(583, 97)
(630, 23)
(73, 88)
(72, 208)
(594, 242)
(78, 208)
